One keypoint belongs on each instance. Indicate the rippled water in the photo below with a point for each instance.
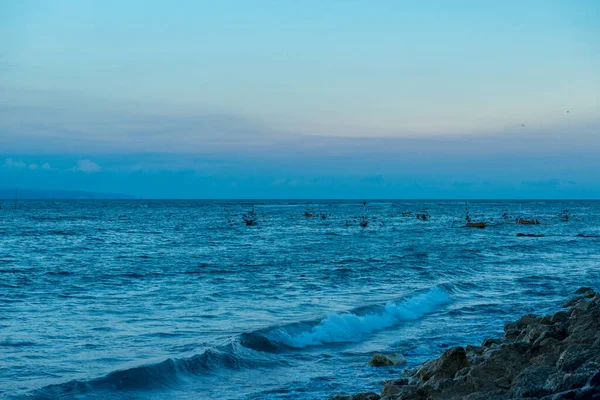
(179, 299)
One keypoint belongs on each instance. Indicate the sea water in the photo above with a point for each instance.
(145, 299)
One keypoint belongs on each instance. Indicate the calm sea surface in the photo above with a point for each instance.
(179, 299)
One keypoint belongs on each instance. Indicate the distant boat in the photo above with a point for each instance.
(470, 223)
(250, 218)
(528, 221)
(364, 220)
(308, 215)
(406, 213)
(423, 215)
(476, 224)
(564, 215)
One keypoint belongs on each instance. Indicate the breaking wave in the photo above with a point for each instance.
(346, 327)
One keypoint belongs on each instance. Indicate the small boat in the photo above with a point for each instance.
(423, 215)
(308, 214)
(475, 224)
(250, 218)
(406, 213)
(470, 223)
(364, 221)
(528, 221)
(564, 215)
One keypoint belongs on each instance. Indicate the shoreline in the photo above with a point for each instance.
(551, 357)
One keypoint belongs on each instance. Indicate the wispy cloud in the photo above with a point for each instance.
(10, 163)
(86, 166)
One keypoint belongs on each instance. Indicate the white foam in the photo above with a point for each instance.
(349, 327)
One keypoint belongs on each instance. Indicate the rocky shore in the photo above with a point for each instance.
(548, 357)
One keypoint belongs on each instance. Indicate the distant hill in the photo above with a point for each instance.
(35, 194)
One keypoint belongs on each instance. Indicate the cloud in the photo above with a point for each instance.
(33, 166)
(10, 163)
(46, 166)
(86, 166)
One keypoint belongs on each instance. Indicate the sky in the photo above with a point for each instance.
(310, 99)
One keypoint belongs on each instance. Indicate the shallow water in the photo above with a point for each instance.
(179, 299)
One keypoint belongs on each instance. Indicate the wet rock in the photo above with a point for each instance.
(451, 361)
(503, 383)
(594, 380)
(379, 360)
(560, 316)
(390, 390)
(531, 382)
(490, 342)
(583, 290)
(574, 356)
(571, 302)
(397, 382)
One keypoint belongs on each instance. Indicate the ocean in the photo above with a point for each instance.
(143, 299)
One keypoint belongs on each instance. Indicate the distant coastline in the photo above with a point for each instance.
(37, 194)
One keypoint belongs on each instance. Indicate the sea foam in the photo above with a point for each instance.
(351, 327)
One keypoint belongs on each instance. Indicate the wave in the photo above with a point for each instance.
(346, 327)
(254, 349)
(165, 374)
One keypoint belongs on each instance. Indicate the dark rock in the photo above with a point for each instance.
(574, 356)
(490, 342)
(560, 316)
(531, 382)
(450, 362)
(397, 382)
(379, 360)
(583, 290)
(594, 380)
(503, 383)
(390, 390)
(571, 302)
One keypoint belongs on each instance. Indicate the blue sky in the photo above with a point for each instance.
(302, 99)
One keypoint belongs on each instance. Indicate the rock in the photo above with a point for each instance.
(560, 316)
(450, 362)
(589, 294)
(503, 383)
(390, 390)
(379, 360)
(397, 382)
(571, 302)
(531, 382)
(574, 356)
(507, 361)
(490, 342)
(594, 380)
(583, 290)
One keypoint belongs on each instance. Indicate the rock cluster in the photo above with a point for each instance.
(548, 357)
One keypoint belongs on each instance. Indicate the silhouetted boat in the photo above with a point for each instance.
(364, 221)
(476, 224)
(423, 215)
(250, 218)
(470, 223)
(528, 221)
(564, 215)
